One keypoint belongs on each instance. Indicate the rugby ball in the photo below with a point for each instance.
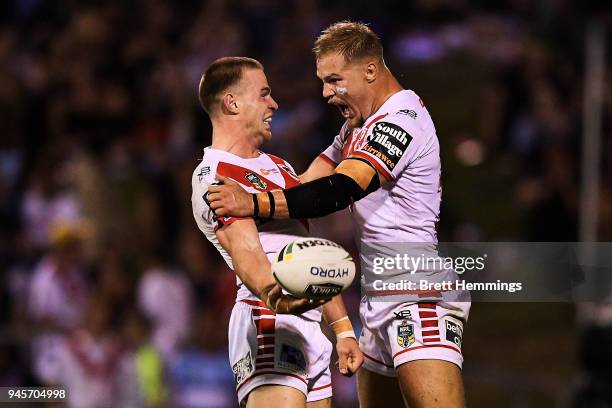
(313, 268)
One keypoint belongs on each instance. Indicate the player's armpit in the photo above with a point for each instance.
(320, 167)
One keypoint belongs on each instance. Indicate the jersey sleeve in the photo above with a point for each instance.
(333, 154)
(203, 214)
(391, 144)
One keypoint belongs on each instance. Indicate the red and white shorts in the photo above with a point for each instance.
(265, 349)
(395, 333)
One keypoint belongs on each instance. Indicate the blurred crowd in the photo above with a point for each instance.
(108, 288)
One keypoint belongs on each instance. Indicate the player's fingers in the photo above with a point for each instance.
(354, 363)
(214, 188)
(213, 196)
(226, 180)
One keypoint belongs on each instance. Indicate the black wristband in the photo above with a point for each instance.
(326, 195)
(255, 206)
(272, 204)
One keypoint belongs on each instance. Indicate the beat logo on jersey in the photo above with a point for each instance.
(454, 332)
(256, 181)
(405, 334)
(388, 142)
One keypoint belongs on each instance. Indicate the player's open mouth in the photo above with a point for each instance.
(345, 110)
(268, 122)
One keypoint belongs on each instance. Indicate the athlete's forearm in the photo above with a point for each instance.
(334, 310)
(336, 317)
(241, 242)
(317, 169)
(352, 180)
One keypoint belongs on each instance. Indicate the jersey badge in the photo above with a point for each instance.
(257, 182)
(405, 334)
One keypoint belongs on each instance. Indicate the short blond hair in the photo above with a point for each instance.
(352, 40)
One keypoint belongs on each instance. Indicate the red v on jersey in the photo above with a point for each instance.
(291, 179)
(245, 177)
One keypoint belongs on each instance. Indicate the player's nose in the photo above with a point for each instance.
(273, 104)
(328, 91)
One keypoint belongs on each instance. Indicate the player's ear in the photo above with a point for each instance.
(371, 71)
(229, 104)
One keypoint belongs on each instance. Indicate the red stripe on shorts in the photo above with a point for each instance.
(429, 323)
(426, 346)
(321, 387)
(427, 314)
(376, 361)
(430, 332)
(265, 341)
(255, 374)
(423, 305)
(265, 326)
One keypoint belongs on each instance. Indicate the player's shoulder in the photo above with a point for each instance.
(204, 173)
(405, 113)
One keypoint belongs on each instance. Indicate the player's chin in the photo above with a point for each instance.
(355, 121)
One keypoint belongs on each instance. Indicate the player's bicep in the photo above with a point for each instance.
(320, 167)
(359, 170)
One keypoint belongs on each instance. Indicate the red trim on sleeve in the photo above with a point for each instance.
(223, 221)
(370, 159)
(328, 160)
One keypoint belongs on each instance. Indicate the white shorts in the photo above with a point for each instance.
(395, 333)
(265, 348)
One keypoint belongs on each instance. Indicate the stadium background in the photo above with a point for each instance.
(101, 130)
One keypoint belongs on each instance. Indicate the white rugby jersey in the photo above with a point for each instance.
(400, 141)
(263, 173)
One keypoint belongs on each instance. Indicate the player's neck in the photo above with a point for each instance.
(387, 89)
(234, 141)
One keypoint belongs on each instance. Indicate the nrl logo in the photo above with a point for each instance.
(256, 181)
(405, 334)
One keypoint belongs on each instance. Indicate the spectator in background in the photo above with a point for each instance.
(164, 296)
(57, 297)
(47, 202)
(141, 379)
(88, 362)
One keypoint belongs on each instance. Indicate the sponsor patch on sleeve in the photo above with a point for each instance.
(388, 142)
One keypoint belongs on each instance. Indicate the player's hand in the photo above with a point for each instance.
(287, 304)
(230, 199)
(350, 357)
